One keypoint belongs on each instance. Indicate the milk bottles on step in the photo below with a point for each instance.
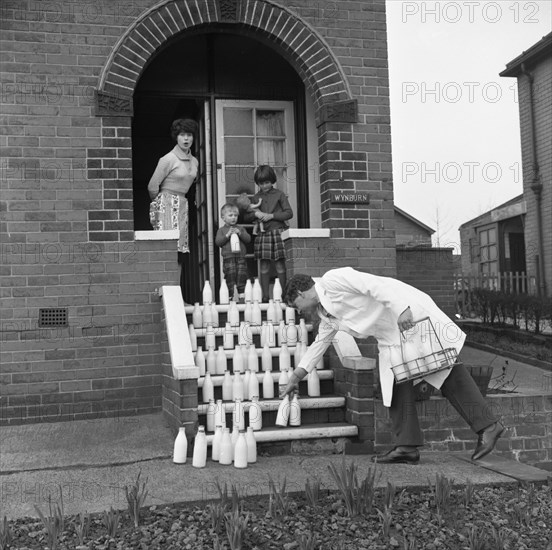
(271, 312)
(282, 417)
(180, 447)
(235, 435)
(237, 360)
(237, 386)
(291, 333)
(200, 361)
(256, 314)
(248, 312)
(283, 381)
(227, 386)
(211, 415)
(303, 332)
(253, 359)
(239, 414)
(268, 385)
(248, 292)
(294, 411)
(257, 291)
(228, 337)
(255, 414)
(290, 314)
(251, 446)
(233, 314)
(220, 414)
(197, 316)
(221, 361)
(285, 360)
(224, 293)
(313, 384)
(253, 388)
(193, 337)
(240, 451)
(207, 293)
(199, 457)
(282, 333)
(214, 315)
(226, 453)
(207, 315)
(266, 358)
(211, 361)
(210, 337)
(246, 379)
(215, 450)
(277, 290)
(208, 391)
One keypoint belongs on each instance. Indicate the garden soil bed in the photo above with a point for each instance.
(486, 518)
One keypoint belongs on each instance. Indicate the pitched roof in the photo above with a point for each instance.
(543, 48)
(414, 220)
(515, 200)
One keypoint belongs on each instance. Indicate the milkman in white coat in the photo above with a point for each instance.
(364, 305)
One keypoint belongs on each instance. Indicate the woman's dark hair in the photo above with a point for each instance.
(264, 173)
(297, 283)
(183, 125)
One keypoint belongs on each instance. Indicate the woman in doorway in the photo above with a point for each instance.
(172, 179)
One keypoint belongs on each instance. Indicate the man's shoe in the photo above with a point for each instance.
(487, 440)
(398, 456)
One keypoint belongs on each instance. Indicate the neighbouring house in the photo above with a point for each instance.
(493, 242)
(409, 231)
(533, 70)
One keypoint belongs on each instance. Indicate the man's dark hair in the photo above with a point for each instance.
(297, 283)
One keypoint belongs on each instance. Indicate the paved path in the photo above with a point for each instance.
(93, 460)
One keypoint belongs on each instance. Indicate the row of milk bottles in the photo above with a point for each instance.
(289, 334)
(252, 292)
(248, 385)
(239, 448)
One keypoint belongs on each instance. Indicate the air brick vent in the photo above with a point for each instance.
(52, 317)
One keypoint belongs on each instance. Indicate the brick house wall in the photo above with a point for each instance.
(409, 233)
(542, 73)
(66, 176)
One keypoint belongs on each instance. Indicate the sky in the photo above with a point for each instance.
(454, 121)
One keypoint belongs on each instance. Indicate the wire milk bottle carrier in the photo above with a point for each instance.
(418, 359)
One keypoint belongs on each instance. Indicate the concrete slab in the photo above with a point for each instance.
(96, 489)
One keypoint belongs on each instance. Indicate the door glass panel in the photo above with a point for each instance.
(239, 179)
(492, 236)
(239, 150)
(270, 151)
(483, 237)
(238, 122)
(270, 123)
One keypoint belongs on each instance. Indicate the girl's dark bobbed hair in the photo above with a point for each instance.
(186, 125)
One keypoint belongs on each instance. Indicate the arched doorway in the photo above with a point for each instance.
(250, 104)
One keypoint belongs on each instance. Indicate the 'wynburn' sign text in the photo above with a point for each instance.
(349, 198)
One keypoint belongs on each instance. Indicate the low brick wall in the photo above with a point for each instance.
(528, 419)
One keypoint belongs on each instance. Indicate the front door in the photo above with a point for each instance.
(251, 133)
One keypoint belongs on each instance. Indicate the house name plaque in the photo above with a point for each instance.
(349, 197)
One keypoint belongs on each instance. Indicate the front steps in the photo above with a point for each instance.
(328, 422)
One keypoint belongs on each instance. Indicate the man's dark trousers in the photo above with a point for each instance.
(461, 391)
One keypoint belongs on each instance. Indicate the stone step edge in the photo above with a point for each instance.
(309, 431)
(307, 403)
(217, 379)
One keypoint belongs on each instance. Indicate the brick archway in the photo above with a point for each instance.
(298, 42)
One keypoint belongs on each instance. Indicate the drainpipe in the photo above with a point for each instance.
(536, 184)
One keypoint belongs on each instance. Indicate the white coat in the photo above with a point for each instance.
(368, 305)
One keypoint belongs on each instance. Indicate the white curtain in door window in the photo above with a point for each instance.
(270, 124)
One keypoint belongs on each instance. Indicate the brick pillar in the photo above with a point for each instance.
(308, 251)
(354, 378)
